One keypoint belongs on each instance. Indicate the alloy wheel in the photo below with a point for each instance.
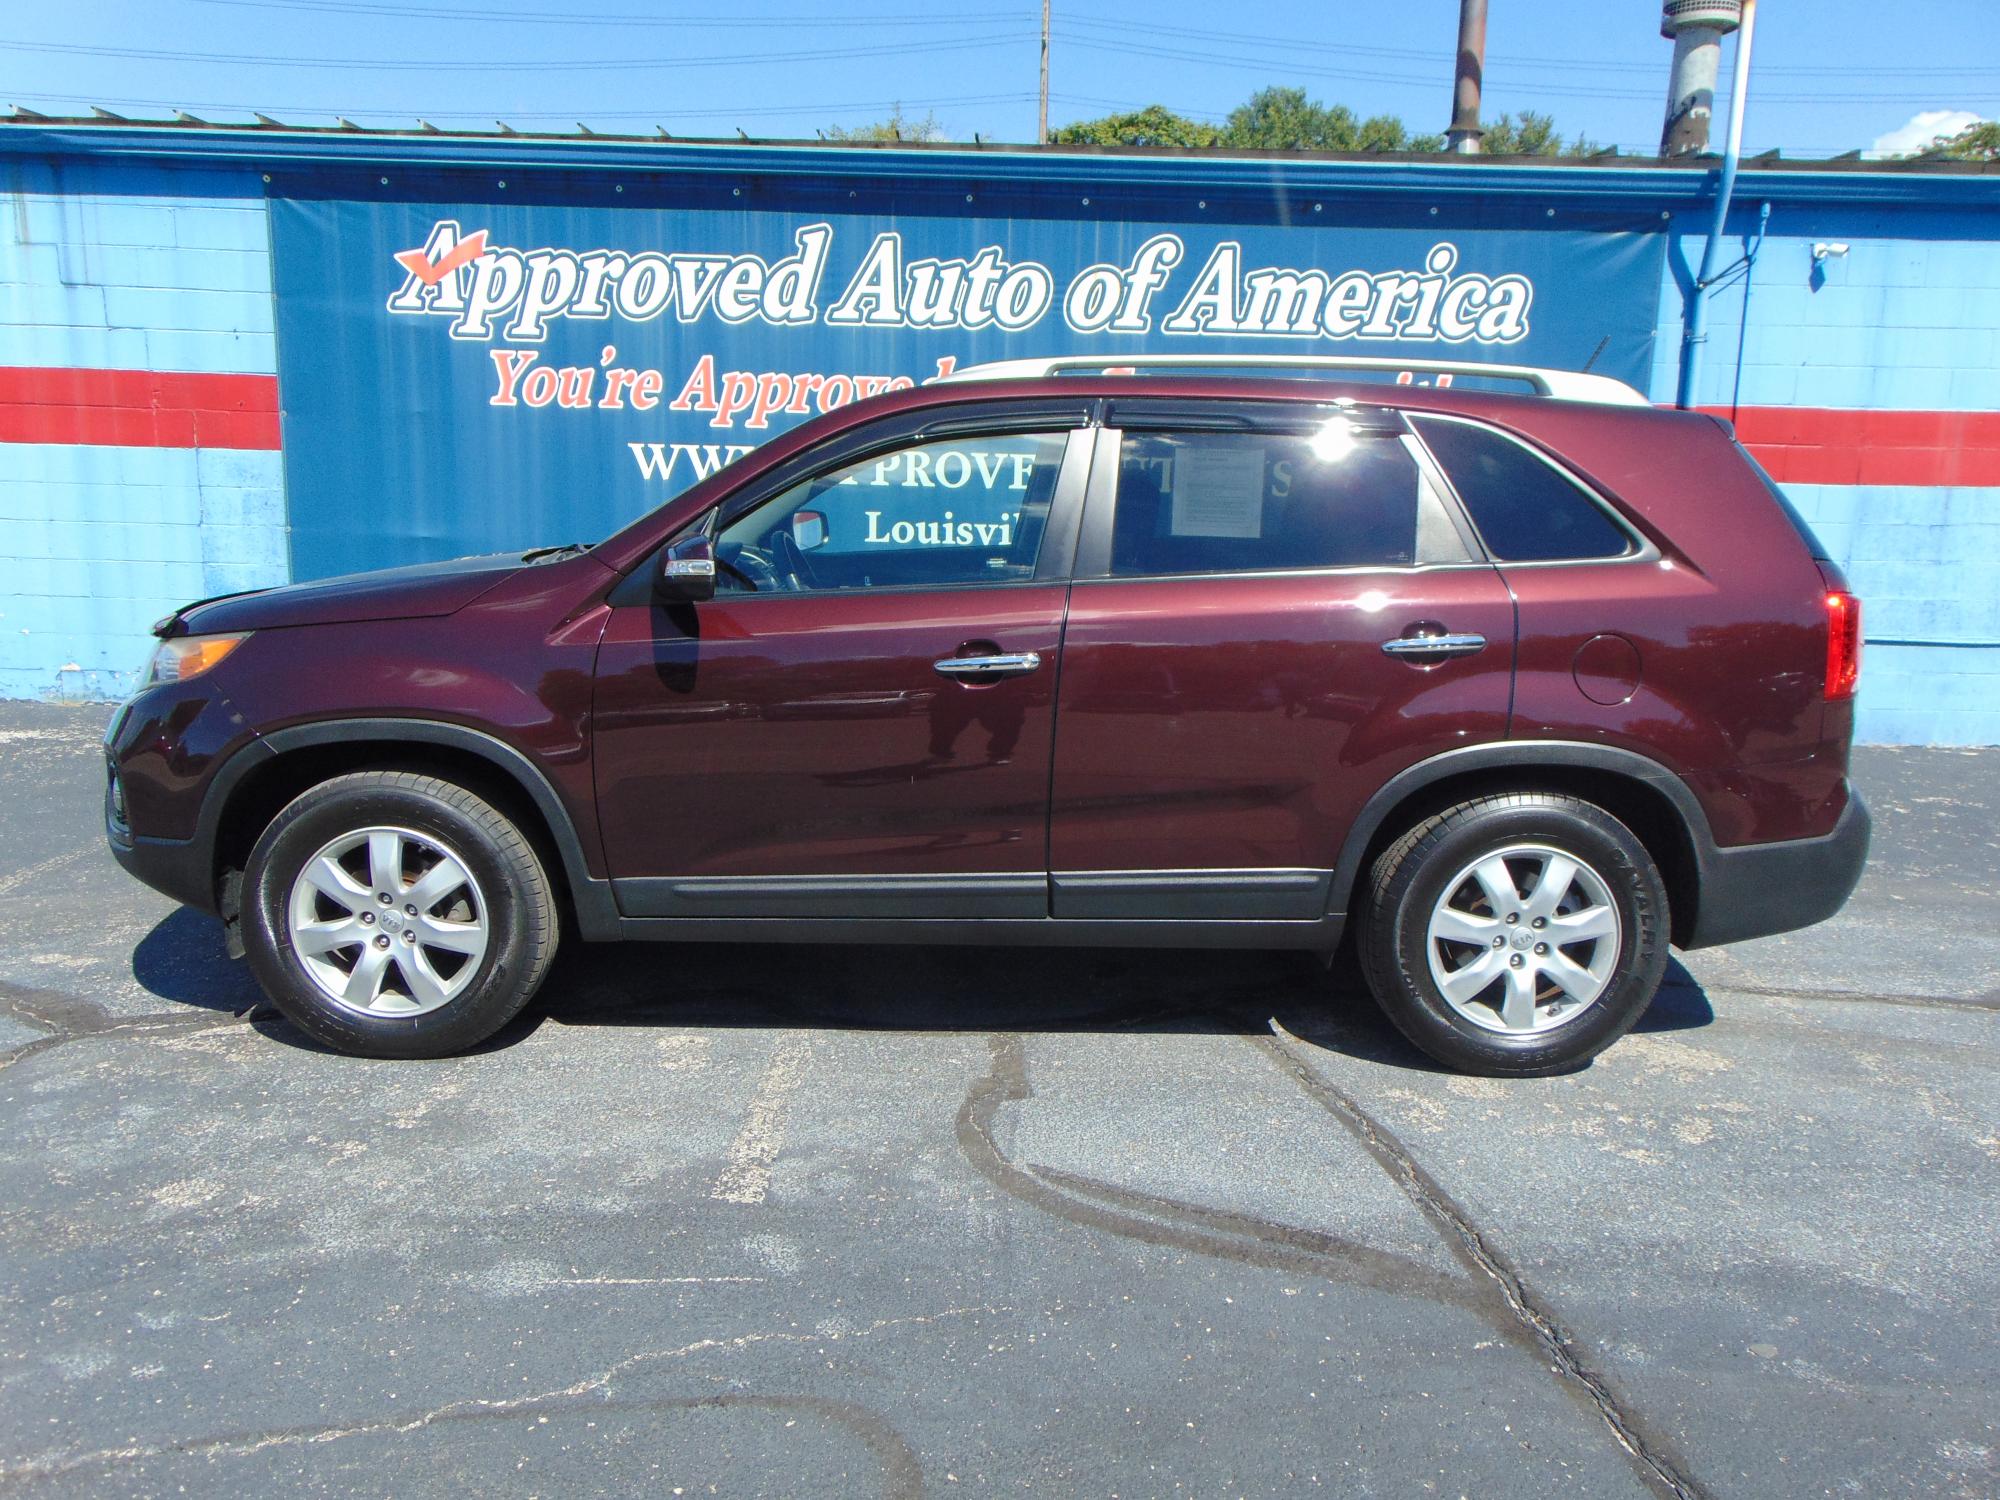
(388, 922)
(1524, 940)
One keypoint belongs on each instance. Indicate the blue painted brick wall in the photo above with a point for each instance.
(118, 268)
(1898, 323)
(1906, 321)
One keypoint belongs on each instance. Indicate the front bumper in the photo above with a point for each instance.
(162, 750)
(1760, 889)
(179, 868)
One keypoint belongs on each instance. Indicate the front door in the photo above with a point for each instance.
(1275, 610)
(860, 722)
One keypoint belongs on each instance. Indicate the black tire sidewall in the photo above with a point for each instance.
(1402, 924)
(506, 976)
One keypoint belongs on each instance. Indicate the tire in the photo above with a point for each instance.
(439, 966)
(1461, 938)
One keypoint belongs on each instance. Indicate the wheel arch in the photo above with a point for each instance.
(249, 791)
(1641, 793)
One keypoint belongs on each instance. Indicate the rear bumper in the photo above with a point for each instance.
(1761, 889)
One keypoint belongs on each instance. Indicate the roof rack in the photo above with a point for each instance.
(1558, 385)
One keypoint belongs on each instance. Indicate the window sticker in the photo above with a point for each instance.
(1218, 491)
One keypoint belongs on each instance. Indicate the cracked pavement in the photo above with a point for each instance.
(839, 1221)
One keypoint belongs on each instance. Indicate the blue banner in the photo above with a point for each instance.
(472, 377)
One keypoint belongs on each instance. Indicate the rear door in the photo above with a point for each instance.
(1275, 610)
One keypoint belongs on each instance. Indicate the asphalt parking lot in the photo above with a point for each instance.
(819, 1221)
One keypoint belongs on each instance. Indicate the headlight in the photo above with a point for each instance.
(188, 656)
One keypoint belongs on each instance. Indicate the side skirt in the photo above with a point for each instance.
(1208, 905)
(898, 897)
(1192, 895)
(1321, 935)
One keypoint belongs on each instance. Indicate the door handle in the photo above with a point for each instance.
(1431, 648)
(988, 668)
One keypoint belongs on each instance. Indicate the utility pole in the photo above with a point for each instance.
(1465, 133)
(1042, 127)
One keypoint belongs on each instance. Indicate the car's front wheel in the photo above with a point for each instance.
(394, 914)
(1515, 934)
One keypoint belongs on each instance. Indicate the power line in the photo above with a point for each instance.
(1291, 66)
(1601, 91)
(1124, 38)
(1123, 105)
(542, 65)
(601, 18)
(652, 112)
(820, 20)
(560, 18)
(1435, 56)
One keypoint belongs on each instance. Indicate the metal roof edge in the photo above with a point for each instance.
(1621, 182)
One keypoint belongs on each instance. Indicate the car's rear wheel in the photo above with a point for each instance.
(1515, 934)
(394, 914)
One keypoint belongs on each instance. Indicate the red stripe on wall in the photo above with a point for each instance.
(137, 408)
(1818, 445)
(151, 409)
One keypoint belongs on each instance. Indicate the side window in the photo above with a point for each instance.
(1230, 502)
(1526, 509)
(966, 510)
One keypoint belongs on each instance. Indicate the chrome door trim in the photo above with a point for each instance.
(989, 668)
(1428, 648)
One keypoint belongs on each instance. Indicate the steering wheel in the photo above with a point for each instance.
(791, 561)
(753, 566)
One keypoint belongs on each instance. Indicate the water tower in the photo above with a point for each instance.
(1697, 28)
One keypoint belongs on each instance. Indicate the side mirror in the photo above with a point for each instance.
(687, 572)
(809, 530)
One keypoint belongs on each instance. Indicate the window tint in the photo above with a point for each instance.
(1525, 509)
(970, 510)
(1214, 502)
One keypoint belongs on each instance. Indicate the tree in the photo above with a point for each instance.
(1155, 125)
(898, 127)
(1387, 133)
(1285, 119)
(1530, 134)
(1288, 119)
(1979, 142)
(1280, 119)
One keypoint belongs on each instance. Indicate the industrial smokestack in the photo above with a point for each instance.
(1696, 28)
(1465, 133)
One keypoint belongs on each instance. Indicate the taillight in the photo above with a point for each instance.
(1843, 645)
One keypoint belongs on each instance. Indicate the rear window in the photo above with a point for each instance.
(1526, 509)
(1213, 502)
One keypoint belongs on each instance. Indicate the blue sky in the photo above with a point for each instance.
(1830, 75)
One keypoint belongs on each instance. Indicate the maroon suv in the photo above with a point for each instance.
(1515, 690)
